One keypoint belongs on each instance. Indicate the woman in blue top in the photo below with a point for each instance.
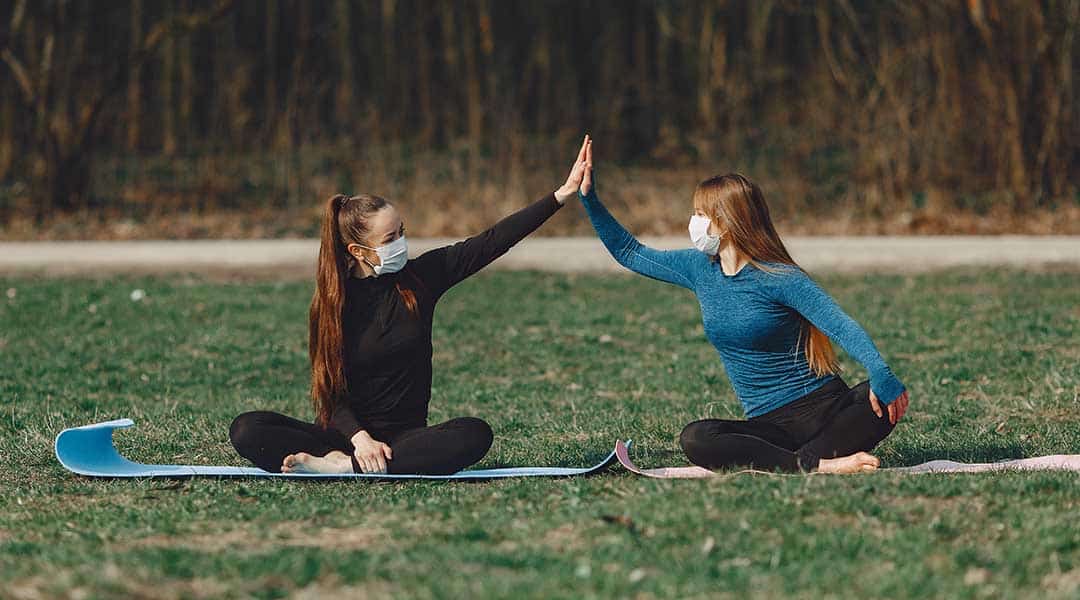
(771, 325)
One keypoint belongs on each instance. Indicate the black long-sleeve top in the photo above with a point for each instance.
(388, 349)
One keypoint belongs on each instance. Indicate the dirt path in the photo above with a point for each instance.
(296, 258)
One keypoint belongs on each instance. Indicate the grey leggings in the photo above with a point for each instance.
(266, 438)
(832, 421)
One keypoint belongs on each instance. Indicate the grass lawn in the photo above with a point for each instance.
(561, 366)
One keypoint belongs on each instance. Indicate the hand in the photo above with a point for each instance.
(370, 453)
(586, 178)
(896, 409)
(573, 180)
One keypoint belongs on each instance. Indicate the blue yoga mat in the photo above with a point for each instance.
(89, 450)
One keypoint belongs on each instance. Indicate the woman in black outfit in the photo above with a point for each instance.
(370, 347)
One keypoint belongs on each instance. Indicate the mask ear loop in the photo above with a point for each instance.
(375, 250)
(719, 236)
(366, 261)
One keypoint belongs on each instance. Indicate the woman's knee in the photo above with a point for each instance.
(445, 448)
(692, 438)
(477, 433)
(244, 428)
(881, 423)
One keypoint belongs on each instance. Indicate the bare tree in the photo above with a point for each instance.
(69, 127)
(869, 103)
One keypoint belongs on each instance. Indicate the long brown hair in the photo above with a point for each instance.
(736, 205)
(345, 221)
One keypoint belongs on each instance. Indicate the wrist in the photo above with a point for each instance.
(563, 194)
(359, 437)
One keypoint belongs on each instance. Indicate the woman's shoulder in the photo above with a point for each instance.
(695, 260)
(776, 276)
(776, 272)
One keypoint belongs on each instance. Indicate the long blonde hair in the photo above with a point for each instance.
(737, 206)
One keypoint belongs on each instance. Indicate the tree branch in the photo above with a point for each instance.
(177, 25)
(16, 21)
(12, 61)
(174, 26)
(21, 77)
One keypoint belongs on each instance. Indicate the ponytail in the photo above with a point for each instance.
(344, 222)
(325, 330)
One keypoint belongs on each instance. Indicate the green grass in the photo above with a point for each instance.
(561, 366)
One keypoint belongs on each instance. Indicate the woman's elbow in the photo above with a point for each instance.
(625, 256)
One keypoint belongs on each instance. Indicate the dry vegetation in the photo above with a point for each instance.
(236, 117)
(649, 200)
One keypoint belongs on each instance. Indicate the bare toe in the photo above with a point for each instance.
(855, 463)
(302, 463)
(867, 462)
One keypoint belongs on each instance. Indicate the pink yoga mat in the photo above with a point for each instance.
(1056, 462)
(623, 454)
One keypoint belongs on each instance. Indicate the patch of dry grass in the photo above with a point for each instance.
(650, 200)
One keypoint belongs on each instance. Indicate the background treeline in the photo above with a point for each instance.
(913, 115)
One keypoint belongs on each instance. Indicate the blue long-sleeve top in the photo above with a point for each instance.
(753, 318)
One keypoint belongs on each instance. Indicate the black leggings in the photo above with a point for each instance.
(829, 422)
(266, 438)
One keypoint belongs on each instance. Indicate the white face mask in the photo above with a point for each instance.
(699, 235)
(392, 256)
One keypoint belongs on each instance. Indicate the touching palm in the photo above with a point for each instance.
(577, 173)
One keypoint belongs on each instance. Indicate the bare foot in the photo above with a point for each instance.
(859, 462)
(302, 462)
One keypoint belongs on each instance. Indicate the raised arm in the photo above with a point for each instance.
(801, 293)
(671, 266)
(442, 268)
(678, 267)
